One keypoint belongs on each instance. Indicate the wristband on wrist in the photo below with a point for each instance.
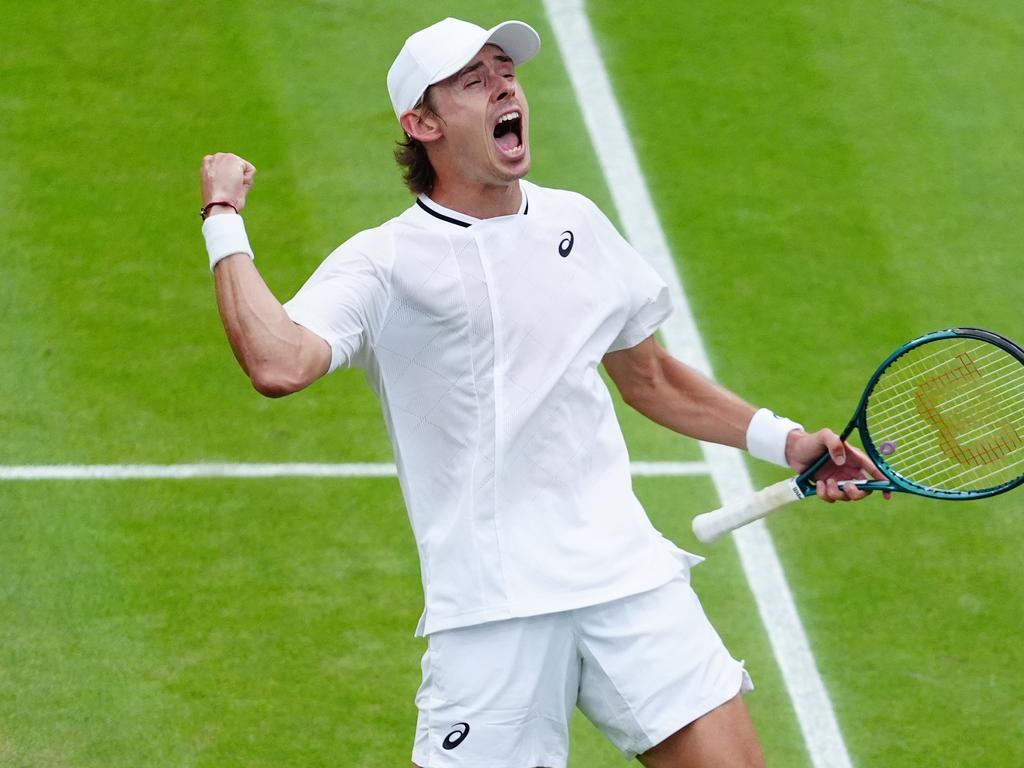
(204, 212)
(225, 236)
(766, 436)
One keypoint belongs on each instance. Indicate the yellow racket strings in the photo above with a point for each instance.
(949, 415)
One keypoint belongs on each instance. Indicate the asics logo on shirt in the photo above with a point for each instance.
(458, 735)
(566, 244)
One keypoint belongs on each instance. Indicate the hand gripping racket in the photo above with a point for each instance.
(942, 417)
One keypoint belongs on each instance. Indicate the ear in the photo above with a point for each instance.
(423, 126)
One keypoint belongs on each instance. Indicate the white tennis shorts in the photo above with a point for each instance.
(501, 694)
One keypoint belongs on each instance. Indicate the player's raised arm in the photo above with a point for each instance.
(279, 356)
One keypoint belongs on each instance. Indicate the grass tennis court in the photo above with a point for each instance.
(833, 178)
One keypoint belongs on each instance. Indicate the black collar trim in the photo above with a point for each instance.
(440, 216)
(460, 222)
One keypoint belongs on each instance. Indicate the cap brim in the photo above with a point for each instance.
(516, 38)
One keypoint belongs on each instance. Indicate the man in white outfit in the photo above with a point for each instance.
(480, 316)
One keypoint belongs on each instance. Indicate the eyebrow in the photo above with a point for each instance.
(497, 57)
(467, 70)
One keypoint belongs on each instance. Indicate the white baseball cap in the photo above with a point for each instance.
(442, 49)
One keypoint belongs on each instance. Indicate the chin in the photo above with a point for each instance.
(515, 169)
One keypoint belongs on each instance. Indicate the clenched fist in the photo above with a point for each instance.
(226, 178)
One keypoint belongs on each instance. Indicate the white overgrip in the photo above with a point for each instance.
(710, 525)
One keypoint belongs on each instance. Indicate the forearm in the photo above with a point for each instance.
(680, 398)
(277, 355)
(676, 396)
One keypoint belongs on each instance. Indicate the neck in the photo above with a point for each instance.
(479, 201)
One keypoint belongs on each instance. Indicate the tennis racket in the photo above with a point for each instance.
(942, 417)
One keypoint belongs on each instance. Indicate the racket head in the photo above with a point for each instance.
(943, 416)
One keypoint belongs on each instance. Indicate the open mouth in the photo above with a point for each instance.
(508, 132)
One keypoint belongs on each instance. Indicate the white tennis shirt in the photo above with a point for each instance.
(482, 338)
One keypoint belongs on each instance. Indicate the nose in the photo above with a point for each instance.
(505, 90)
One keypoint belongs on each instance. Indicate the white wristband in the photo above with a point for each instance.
(225, 235)
(766, 436)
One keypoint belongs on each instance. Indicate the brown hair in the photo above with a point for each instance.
(417, 172)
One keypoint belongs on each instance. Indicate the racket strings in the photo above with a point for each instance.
(1000, 382)
(950, 415)
(962, 421)
(899, 392)
(945, 457)
(936, 467)
(901, 428)
(901, 396)
(988, 454)
(1001, 388)
(1004, 439)
(977, 480)
(993, 478)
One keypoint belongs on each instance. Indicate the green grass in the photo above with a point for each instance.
(838, 179)
(211, 624)
(834, 179)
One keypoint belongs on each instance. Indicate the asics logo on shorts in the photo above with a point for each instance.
(458, 735)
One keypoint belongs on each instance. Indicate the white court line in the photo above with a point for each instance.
(190, 471)
(761, 564)
(212, 470)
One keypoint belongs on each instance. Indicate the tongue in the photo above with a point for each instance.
(508, 141)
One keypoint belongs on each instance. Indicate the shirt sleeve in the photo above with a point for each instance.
(343, 303)
(645, 293)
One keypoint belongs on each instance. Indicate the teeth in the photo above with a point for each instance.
(509, 116)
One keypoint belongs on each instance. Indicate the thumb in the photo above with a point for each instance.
(248, 172)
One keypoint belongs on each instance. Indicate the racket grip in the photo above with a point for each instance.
(710, 525)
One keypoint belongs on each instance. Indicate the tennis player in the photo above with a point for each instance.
(480, 316)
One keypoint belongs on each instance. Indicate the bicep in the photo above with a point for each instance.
(302, 359)
(636, 370)
(315, 354)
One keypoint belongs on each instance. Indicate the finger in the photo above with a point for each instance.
(852, 492)
(837, 491)
(871, 472)
(835, 446)
(865, 462)
(868, 475)
(826, 490)
(846, 490)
